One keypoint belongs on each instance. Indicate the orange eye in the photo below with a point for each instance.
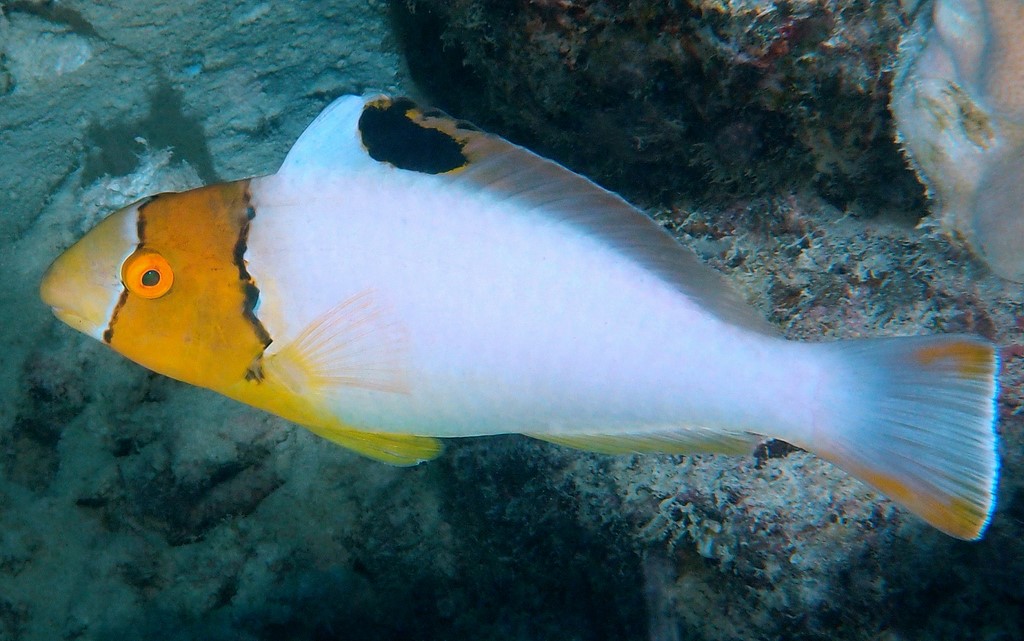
(147, 274)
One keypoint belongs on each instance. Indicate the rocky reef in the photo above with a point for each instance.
(678, 98)
(133, 506)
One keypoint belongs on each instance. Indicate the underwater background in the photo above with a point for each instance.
(136, 507)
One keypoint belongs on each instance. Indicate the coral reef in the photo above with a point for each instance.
(133, 506)
(961, 116)
(814, 555)
(697, 98)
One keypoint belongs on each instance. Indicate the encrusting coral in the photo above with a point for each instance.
(958, 99)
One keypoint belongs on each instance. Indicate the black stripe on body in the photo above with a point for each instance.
(140, 230)
(108, 333)
(252, 293)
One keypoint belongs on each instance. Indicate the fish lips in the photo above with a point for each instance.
(83, 286)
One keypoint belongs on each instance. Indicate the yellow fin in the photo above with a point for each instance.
(357, 343)
(919, 424)
(670, 441)
(396, 449)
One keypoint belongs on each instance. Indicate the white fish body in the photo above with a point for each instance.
(512, 323)
(517, 316)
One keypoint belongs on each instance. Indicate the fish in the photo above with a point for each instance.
(405, 277)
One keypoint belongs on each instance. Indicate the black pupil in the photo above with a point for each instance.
(151, 278)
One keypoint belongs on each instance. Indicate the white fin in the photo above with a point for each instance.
(357, 343)
(331, 141)
(674, 440)
(919, 425)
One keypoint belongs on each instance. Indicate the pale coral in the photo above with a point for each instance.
(959, 105)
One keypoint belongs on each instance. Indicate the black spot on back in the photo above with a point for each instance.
(390, 136)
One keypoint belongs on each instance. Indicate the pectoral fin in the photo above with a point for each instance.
(357, 343)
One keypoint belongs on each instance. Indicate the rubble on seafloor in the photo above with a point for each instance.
(133, 506)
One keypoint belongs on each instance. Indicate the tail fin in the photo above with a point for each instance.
(918, 423)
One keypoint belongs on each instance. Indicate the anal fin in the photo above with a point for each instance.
(673, 440)
(396, 449)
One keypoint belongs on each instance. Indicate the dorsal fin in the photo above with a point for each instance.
(331, 141)
(358, 133)
(497, 165)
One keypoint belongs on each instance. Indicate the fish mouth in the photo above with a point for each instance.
(83, 285)
(81, 305)
(75, 321)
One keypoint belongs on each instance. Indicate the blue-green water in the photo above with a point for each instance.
(133, 506)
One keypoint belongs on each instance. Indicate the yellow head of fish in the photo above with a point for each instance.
(164, 283)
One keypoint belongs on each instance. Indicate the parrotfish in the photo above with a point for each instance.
(405, 277)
